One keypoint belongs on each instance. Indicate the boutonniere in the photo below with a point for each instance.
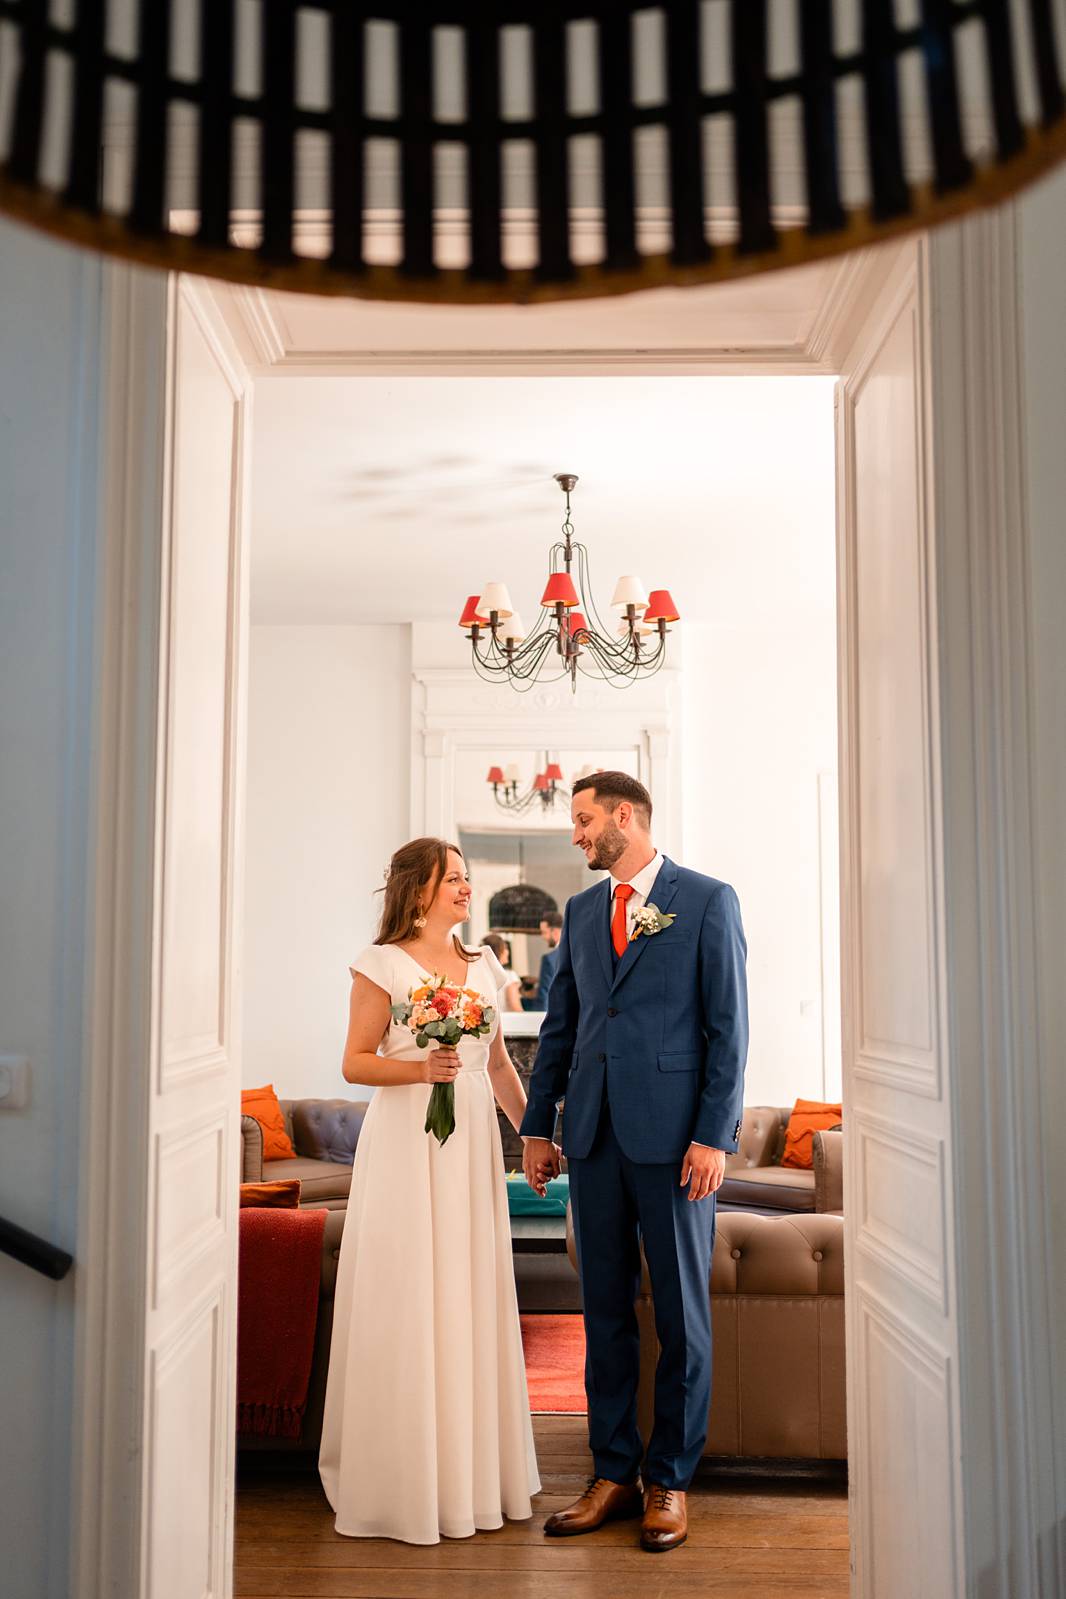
(650, 919)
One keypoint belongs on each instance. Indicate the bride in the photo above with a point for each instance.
(427, 1431)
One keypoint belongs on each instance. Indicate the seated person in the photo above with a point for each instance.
(551, 930)
(510, 993)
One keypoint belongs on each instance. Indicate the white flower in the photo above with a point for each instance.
(649, 919)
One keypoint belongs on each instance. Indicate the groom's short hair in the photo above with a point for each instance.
(611, 788)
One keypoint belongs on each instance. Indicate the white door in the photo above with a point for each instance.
(194, 1057)
(901, 1319)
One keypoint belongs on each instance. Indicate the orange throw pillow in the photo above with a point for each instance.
(262, 1103)
(282, 1195)
(809, 1116)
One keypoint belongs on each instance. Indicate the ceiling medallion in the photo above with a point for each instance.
(569, 635)
(296, 109)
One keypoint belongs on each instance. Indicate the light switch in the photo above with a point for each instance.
(14, 1082)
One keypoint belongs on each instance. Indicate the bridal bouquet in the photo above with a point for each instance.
(437, 1012)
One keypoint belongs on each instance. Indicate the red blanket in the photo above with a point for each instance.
(277, 1307)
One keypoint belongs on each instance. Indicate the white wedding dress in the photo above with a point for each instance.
(427, 1428)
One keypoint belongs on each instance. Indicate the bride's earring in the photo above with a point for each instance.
(420, 920)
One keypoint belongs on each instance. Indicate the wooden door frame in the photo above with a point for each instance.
(980, 639)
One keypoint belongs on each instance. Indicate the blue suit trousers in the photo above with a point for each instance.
(616, 1204)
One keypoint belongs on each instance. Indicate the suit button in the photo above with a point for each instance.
(601, 1056)
(611, 1011)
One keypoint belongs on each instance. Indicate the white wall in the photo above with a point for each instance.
(328, 784)
(759, 728)
(50, 309)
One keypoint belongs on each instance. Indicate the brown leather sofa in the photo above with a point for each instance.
(324, 1134)
(755, 1179)
(777, 1314)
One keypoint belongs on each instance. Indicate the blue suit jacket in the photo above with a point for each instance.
(666, 1027)
(548, 963)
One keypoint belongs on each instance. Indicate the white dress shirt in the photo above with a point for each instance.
(641, 883)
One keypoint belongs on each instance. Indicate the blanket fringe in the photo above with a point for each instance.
(271, 1421)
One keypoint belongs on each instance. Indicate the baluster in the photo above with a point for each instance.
(752, 146)
(553, 171)
(953, 165)
(616, 104)
(83, 173)
(216, 120)
(347, 88)
(277, 142)
(416, 160)
(890, 196)
(824, 211)
(685, 134)
(148, 210)
(484, 187)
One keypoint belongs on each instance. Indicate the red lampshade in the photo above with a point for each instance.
(541, 780)
(560, 590)
(661, 607)
(495, 774)
(554, 773)
(470, 614)
(577, 622)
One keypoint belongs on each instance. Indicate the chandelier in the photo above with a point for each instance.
(545, 786)
(569, 635)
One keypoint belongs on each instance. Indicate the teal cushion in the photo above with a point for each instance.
(522, 1201)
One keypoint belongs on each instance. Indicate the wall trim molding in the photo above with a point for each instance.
(111, 1285)
(257, 319)
(1003, 1233)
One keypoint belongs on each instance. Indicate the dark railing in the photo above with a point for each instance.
(245, 152)
(33, 1251)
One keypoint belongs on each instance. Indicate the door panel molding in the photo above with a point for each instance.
(152, 1467)
(1004, 1235)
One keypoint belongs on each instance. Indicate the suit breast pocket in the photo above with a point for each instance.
(689, 1061)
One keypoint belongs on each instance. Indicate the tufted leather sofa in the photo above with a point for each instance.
(756, 1181)
(324, 1134)
(777, 1312)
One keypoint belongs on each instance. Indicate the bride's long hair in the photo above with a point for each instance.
(423, 861)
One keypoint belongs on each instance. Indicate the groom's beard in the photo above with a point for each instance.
(608, 848)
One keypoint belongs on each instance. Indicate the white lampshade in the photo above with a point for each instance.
(513, 628)
(630, 591)
(512, 773)
(496, 598)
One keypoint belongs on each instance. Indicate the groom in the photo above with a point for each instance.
(645, 1035)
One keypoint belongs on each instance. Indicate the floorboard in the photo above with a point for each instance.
(750, 1538)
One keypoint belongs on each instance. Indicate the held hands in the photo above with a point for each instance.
(541, 1159)
(440, 1066)
(705, 1167)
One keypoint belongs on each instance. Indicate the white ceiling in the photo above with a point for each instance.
(391, 499)
(403, 454)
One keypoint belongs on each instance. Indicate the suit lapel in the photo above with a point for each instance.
(662, 892)
(601, 932)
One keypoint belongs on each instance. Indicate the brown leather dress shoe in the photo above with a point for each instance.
(602, 1501)
(665, 1520)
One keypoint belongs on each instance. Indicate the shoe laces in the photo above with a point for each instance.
(591, 1486)
(662, 1497)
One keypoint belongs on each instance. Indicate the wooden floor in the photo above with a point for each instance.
(754, 1538)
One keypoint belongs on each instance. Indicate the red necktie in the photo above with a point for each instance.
(619, 936)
